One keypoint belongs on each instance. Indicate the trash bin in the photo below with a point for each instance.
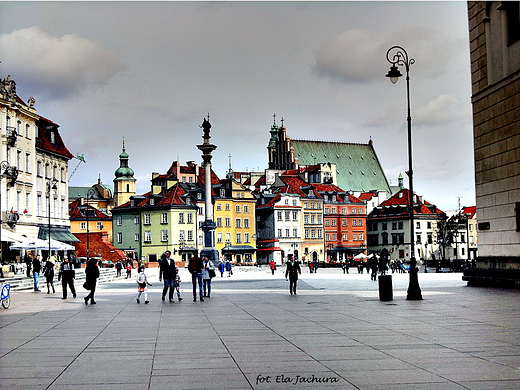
(385, 288)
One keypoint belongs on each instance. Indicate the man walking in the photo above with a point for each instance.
(37, 267)
(292, 271)
(167, 271)
(67, 275)
(195, 268)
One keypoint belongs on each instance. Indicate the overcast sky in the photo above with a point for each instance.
(149, 72)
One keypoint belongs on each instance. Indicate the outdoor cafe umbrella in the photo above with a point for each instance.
(38, 244)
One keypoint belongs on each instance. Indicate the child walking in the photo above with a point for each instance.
(142, 282)
(178, 283)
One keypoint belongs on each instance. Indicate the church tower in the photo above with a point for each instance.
(124, 182)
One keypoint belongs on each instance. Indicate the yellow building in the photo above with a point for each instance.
(234, 215)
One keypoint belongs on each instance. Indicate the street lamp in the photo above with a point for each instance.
(90, 194)
(400, 58)
(51, 185)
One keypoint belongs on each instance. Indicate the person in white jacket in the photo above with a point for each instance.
(208, 271)
(142, 283)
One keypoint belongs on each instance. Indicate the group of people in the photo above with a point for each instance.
(66, 274)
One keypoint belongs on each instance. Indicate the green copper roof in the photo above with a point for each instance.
(357, 165)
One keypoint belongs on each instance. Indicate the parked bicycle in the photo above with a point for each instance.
(6, 295)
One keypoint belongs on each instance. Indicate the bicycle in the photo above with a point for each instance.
(6, 295)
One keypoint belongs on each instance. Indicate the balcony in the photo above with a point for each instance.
(11, 136)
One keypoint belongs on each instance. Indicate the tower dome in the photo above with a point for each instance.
(124, 172)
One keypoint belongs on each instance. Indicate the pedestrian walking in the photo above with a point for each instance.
(229, 268)
(372, 263)
(195, 269)
(167, 272)
(48, 272)
(91, 277)
(345, 267)
(178, 284)
(142, 283)
(272, 265)
(28, 265)
(221, 268)
(292, 271)
(311, 266)
(37, 267)
(119, 267)
(208, 272)
(129, 267)
(67, 276)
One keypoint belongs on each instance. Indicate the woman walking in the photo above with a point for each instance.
(92, 274)
(48, 271)
(208, 271)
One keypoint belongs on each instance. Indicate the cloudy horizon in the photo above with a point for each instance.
(149, 72)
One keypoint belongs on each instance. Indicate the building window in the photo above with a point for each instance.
(190, 235)
(246, 238)
(137, 237)
(164, 217)
(83, 226)
(239, 238)
(181, 217)
(137, 219)
(227, 207)
(222, 193)
(246, 223)
(99, 225)
(228, 222)
(320, 233)
(219, 238)
(147, 219)
(238, 223)
(287, 215)
(147, 236)
(152, 201)
(219, 222)
(190, 217)
(237, 208)
(119, 237)
(295, 215)
(279, 233)
(246, 208)
(287, 233)
(333, 222)
(119, 220)
(27, 135)
(219, 206)
(307, 233)
(344, 237)
(295, 232)
(164, 235)
(279, 215)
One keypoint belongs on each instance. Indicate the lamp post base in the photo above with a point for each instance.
(414, 291)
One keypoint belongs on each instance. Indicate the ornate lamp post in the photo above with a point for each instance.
(90, 194)
(208, 225)
(400, 58)
(52, 184)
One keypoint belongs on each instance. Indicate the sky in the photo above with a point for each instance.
(149, 72)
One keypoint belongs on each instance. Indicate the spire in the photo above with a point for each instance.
(401, 181)
(124, 172)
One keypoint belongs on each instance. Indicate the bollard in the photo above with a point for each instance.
(385, 288)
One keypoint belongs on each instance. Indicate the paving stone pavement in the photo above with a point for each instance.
(251, 334)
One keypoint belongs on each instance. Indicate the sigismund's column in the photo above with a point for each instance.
(209, 225)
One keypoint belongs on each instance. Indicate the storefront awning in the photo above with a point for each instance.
(238, 249)
(62, 234)
(8, 236)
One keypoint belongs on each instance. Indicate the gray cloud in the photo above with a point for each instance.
(54, 66)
